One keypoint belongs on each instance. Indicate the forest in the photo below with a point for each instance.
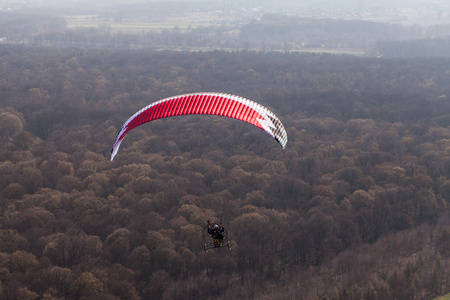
(355, 207)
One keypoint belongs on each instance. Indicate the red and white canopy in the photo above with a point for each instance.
(207, 104)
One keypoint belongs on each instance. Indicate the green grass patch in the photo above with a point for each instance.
(445, 297)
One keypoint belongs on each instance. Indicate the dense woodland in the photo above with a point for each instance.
(355, 207)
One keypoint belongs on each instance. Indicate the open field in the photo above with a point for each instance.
(125, 25)
(182, 22)
(349, 51)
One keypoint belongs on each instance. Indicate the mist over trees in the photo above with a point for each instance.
(355, 207)
(240, 30)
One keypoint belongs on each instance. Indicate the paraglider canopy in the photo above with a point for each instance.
(206, 104)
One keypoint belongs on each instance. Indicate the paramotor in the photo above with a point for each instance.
(210, 241)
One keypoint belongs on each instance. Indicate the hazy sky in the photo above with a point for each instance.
(316, 4)
(406, 11)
